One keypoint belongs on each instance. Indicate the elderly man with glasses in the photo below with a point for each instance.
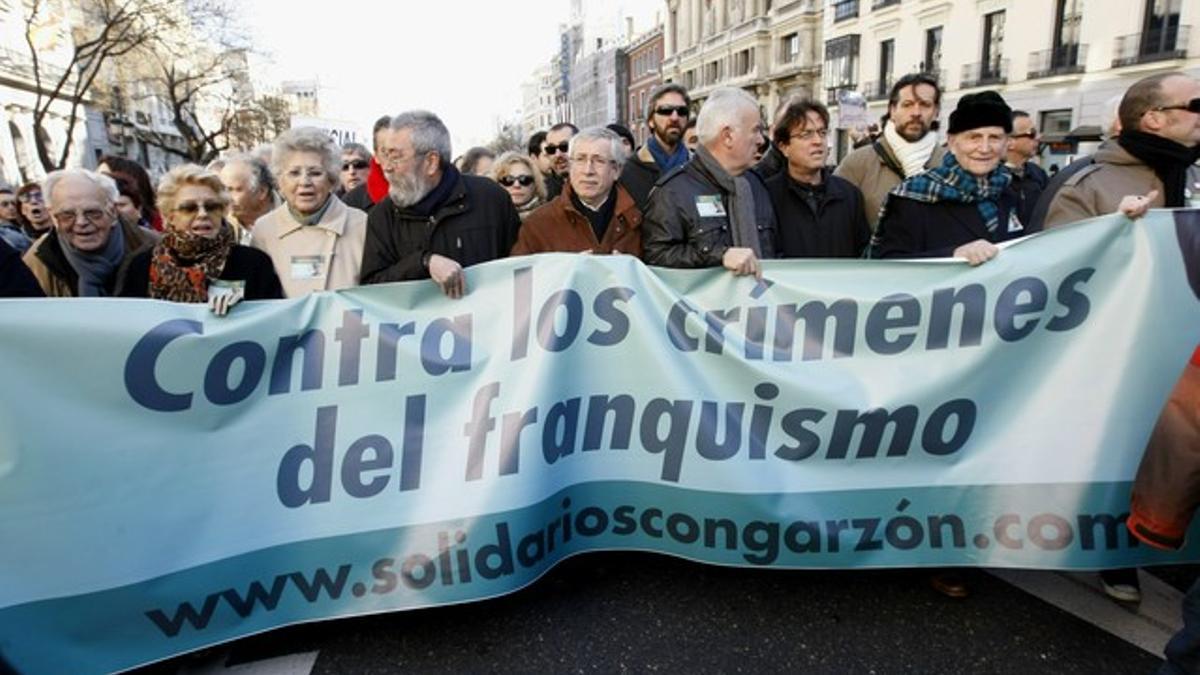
(1029, 180)
(89, 248)
(594, 214)
(667, 115)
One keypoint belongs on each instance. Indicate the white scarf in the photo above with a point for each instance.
(912, 156)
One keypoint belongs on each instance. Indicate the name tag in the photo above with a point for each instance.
(220, 287)
(709, 206)
(308, 267)
(1014, 225)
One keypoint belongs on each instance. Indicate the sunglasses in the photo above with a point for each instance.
(1192, 106)
(29, 197)
(190, 208)
(357, 164)
(523, 181)
(666, 110)
(552, 149)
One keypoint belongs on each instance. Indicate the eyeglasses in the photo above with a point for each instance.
(809, 134)
(30, 197)
(1192, 106)
(67, 218)
(523, 181)
(1032, 134)
(552, 149)
(666, 110)
(592, 162)
(357, 165)
(190, 208)
(8, 203)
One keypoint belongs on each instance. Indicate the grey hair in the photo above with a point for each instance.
(429, 134)
(260, 173)
(358, 149)
(721, 110)
(105, 184)
(616, 147)
(307, 139)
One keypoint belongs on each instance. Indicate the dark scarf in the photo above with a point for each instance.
(438, 195)
(1169, 160)
(598, 218)
(741, 212)
(183, 263)
(96, 269)
(664, 161)
(951, 183)
(813, 195)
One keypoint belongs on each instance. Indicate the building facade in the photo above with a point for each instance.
(767, 47)
(598, 85)
(645, 56)
(1047, 57)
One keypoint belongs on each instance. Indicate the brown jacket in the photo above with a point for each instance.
(56, 276)
(1097, 189)
(326, 256)
(876, 176)
(558, 227)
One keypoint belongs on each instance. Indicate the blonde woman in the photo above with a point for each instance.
(198, 259)
(315, 241)
(517, 174)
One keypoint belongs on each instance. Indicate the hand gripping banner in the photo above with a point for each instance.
(171, 480)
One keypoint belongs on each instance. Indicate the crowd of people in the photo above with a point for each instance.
(709, 188)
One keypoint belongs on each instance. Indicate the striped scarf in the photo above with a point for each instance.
(951, 183)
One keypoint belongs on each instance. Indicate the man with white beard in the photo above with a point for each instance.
(438, 221)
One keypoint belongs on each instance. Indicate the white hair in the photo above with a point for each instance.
(105, 184)
(307, 139)
(720, 110)
(1110, 121)
(616, 147)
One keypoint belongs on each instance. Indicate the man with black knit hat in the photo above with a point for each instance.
(1153, 157)
(965, 206)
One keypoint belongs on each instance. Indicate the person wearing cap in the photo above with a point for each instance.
(965, 206)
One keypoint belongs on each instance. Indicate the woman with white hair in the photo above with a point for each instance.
(89, 247)
(314, 240)
(199, 259)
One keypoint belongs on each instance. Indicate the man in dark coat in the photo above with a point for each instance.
(964, 207)
(16, 281)
(1029, 180)
(437, 220)
(667, 115)
(715, 212)
(819, 215)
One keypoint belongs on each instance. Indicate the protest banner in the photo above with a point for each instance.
(171, 480)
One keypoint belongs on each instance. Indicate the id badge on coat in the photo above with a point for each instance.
(306, 267)
(709, 206)
(220, 287)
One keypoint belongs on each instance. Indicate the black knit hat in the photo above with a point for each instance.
(985, 109)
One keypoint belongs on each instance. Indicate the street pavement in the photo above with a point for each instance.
(640, 612)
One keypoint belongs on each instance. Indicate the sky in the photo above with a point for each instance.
(462, 59)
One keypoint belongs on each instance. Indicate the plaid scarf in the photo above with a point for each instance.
(951, 183)
(183, 263)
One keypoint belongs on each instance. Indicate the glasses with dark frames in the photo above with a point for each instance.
(523, 181)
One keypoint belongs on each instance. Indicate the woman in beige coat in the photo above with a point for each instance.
(314, 240)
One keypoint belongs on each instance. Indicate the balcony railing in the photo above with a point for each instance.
(845, 9)
(831, 94)
(1159, 44)
(880, 4)
(878, 91)
(984, 73)
(1062, 60)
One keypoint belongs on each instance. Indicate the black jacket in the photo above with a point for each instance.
(16, 281)
(554, 185)
(837, 229)
(1029, 188)
(639, 177)
(475, 224)
(674, 234)
(912, 229)
(358, 198)
(772, 164)
(243, 264)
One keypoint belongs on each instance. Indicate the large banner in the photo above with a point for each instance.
(170, 479)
